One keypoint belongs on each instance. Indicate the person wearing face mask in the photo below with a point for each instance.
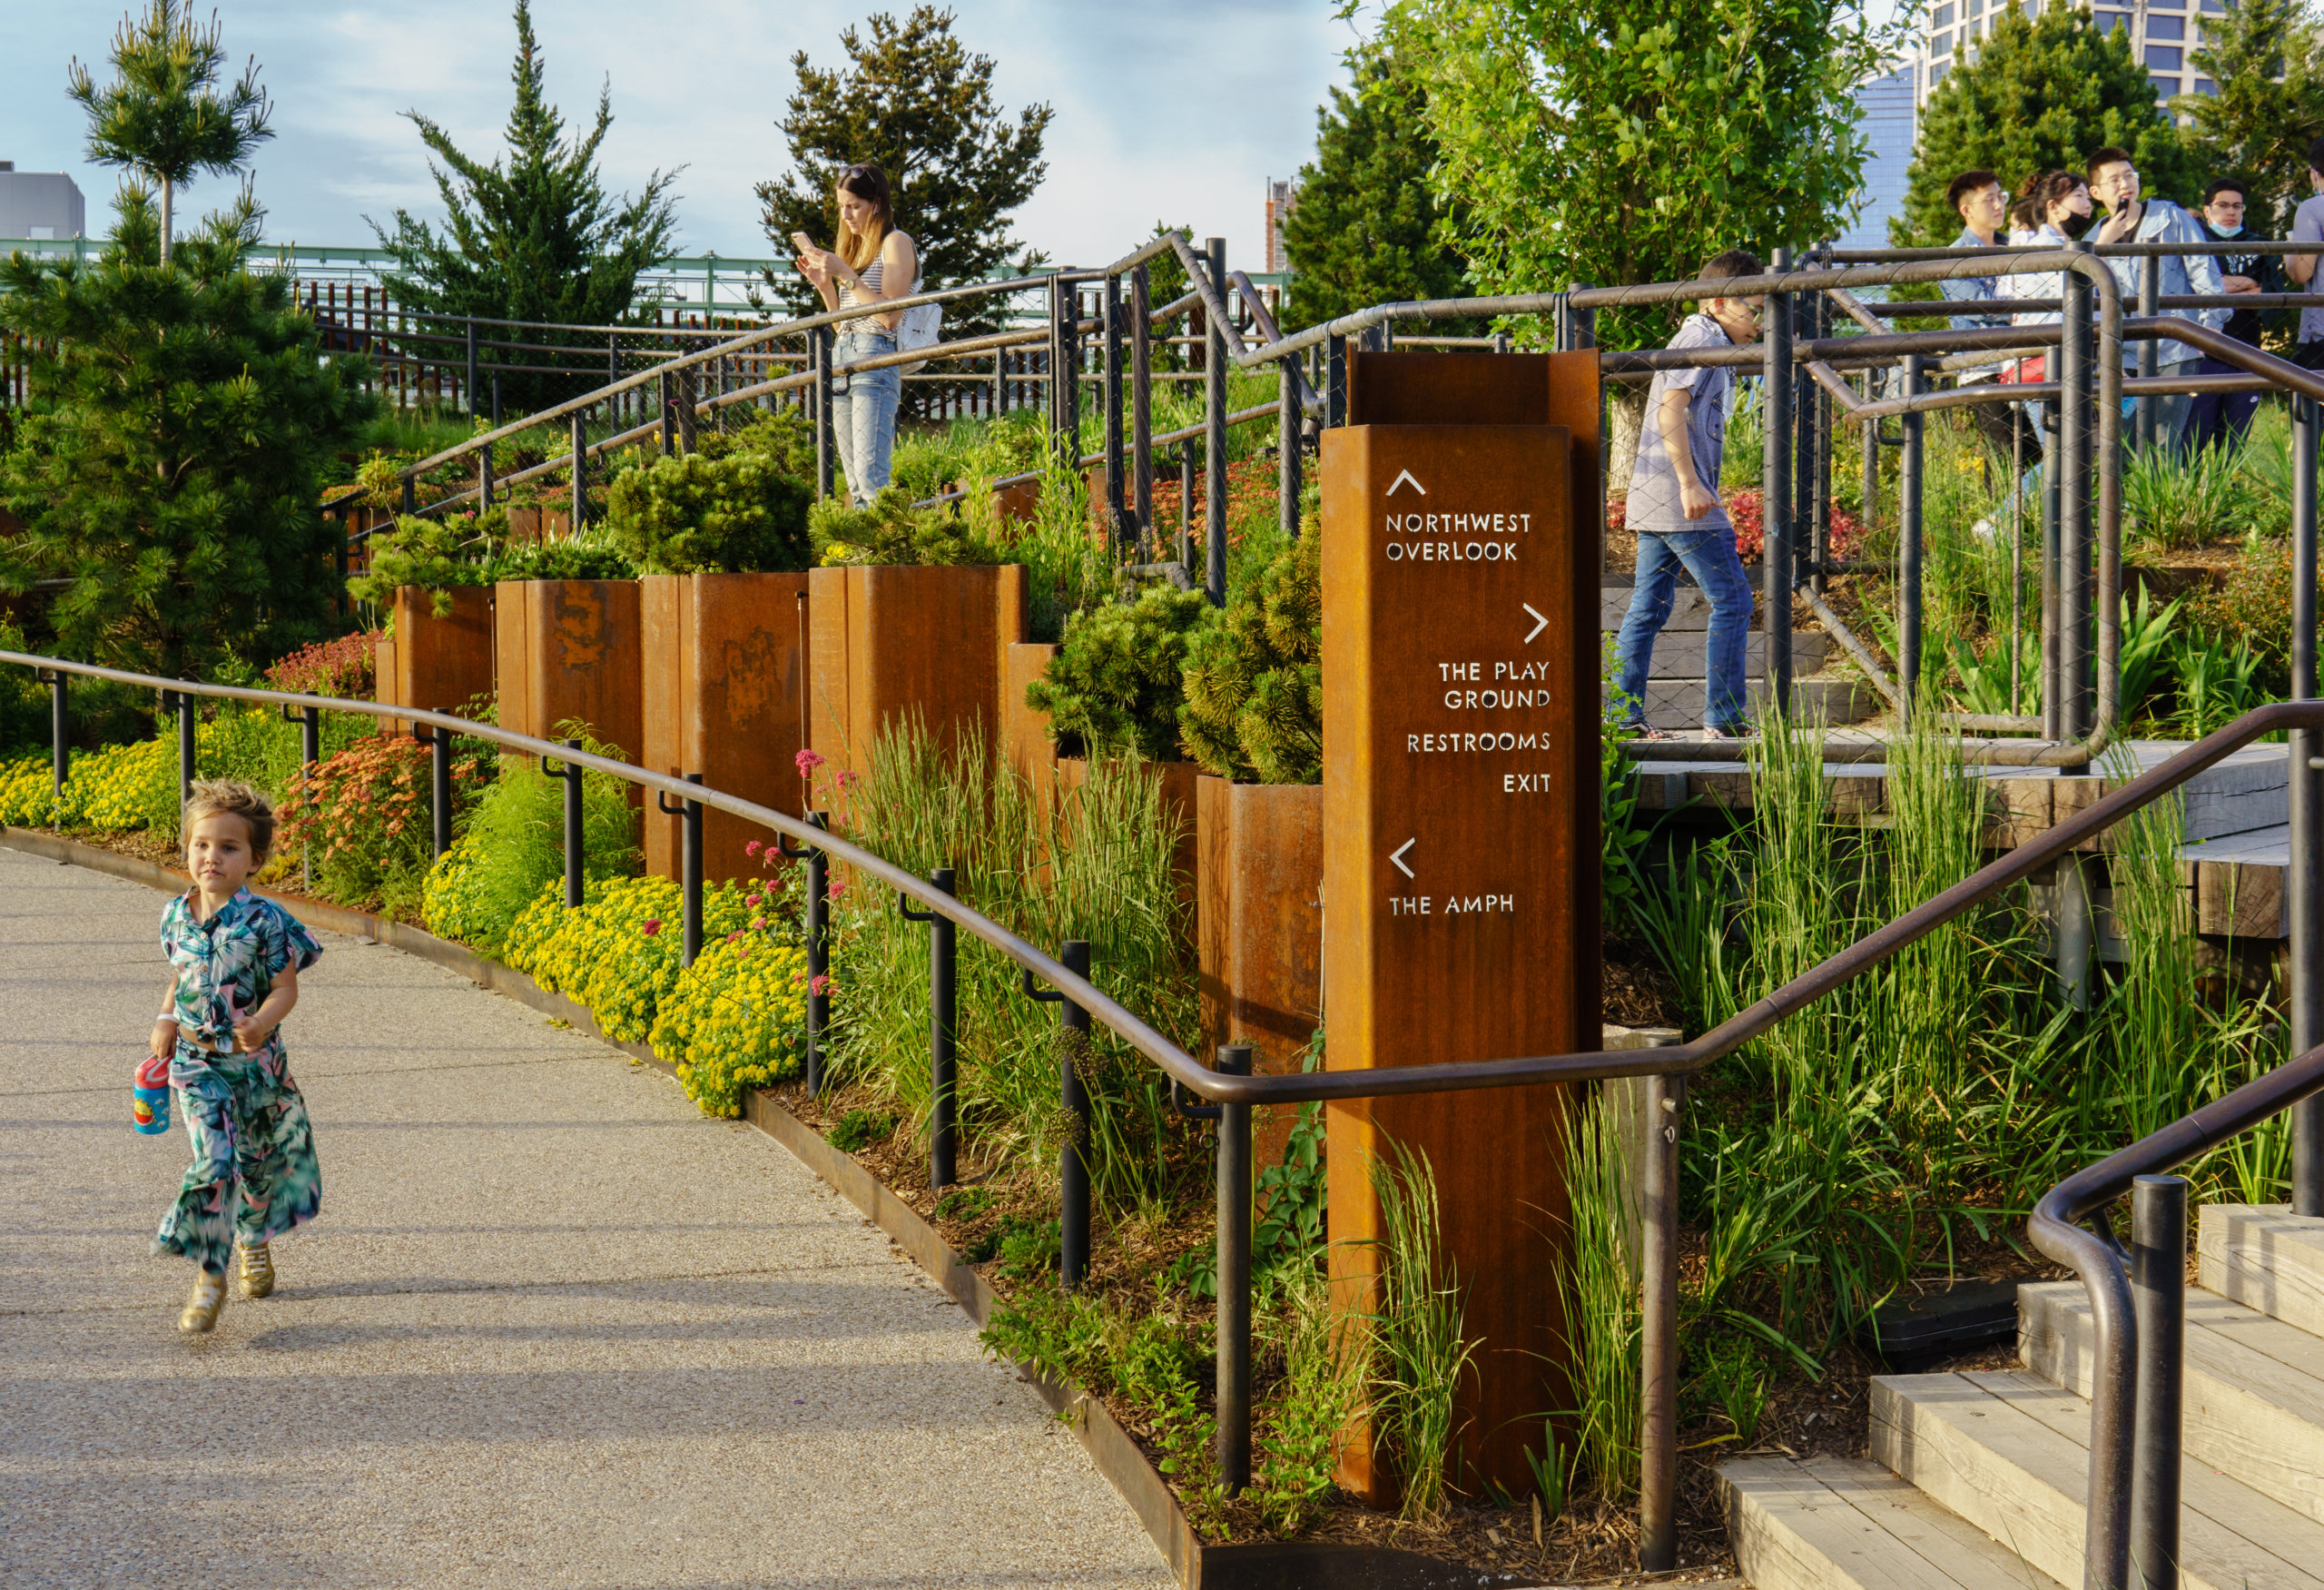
(2130, 218)
(2051, 213)
(2224, 417)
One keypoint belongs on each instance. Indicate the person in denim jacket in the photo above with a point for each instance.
(2114, 183)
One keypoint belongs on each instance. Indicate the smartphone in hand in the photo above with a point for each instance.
(800, 240)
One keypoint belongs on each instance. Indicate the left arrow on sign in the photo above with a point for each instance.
(1397, 856)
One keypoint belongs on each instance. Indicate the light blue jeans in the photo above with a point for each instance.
(863, 413)
(1709, 556)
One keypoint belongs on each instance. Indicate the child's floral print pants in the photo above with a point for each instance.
(254, 1173)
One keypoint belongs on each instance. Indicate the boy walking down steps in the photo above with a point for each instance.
(1680, 523)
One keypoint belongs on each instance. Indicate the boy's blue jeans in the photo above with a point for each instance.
(1709, 556)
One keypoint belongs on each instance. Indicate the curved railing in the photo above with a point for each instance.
(1227, 1087)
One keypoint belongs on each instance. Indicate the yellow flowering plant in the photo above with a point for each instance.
(737, 1019)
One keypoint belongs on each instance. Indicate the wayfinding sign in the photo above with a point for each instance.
(1460, 703)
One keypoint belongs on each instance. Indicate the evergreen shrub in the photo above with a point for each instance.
(1253, 706)
(689, 512)
(1119, 680)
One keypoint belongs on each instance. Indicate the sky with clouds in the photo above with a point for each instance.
(1175, 110)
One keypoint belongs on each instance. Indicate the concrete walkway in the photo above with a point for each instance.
(552, 1328)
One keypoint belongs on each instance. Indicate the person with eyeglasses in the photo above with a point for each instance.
(2114, 183)
(873, 263)
(2224, 417)
(1675, 510)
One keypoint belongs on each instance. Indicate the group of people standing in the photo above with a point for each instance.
(2053, 209)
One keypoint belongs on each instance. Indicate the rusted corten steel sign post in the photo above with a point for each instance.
(1461, 881)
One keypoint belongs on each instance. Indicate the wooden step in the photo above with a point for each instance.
(2254, 1400)
(2265, 1258)
(2010, 1454)
(1847, 1523)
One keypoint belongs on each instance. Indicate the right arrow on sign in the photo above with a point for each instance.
(1397, 856)
(1540, 622)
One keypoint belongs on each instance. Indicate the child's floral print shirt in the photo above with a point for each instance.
(225, 965)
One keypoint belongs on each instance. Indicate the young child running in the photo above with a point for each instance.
(236, 960)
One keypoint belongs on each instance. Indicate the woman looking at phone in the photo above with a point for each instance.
(873, 263)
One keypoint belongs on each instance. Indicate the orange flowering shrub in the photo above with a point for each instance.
(363, 818)
(342, 667)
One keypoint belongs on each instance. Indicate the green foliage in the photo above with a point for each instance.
(858, 1130)
(1120, 678)
(1598, 142)
(2265, 57)
(535, 237)
(889, 530)
(1326, 1359)
(1108, 878)
(164, 117)
(581, 557)
(513, 846)
(182, 420)
(1601, 1298)
(1424, 1350)
(1255, 684)
(435, 554)
(915, 100)
(2038, 95)
(688, 512)
(1366, 228)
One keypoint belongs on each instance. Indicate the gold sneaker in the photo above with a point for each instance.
(258, 1271)
(202, 1308)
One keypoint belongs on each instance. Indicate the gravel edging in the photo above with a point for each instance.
(1109, 1447)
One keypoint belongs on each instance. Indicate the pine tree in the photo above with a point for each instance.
(2039, 96)
(913, 99)
(535, 237)
(1255, 683)
(2265, 58)
(1119, 681)
(184, 419)
(1365, 229)
(162, 117)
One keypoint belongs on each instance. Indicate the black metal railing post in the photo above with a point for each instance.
(1073, 1044)
(440, 783)
(1291, 425)
(483, 477)
(2074, 469)
(2149, 350)
(1061, 313)
(819, 951)
(2159, 1305)
(310, 720)
(189, 743)
(1234, 1389)
(575, 860)
(471, 367)
(60, 728)
(2053, 685)
(669, 413)
(1216, 370)
(944, 1126)
(1116, 474)
(1659, 1347)
(580, 508)
(1141, 402)
(1909, 496)
(2306, 882)
(819, 352)
(1776, 392)
(689, 811)
(1335, 381)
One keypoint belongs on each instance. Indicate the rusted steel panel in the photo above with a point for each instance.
(742, 675)
(1259, 930)
(582, 660)
(1461, 866)
(1026, 737)
(663, 604)
(441, 665)
(512, 613)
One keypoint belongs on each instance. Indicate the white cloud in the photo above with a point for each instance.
(1176, 110)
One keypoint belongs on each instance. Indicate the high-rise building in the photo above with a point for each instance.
(2163, 34)
(1887, 116)
(1281, 195)
(39, 204)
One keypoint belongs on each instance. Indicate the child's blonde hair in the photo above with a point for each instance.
(234, 798)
